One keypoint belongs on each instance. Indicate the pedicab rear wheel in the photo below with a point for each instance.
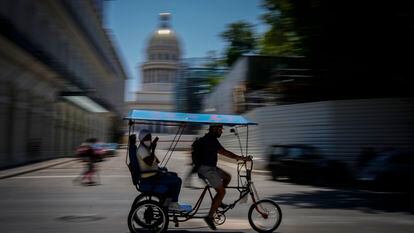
(265, 216)
(145, 197)
(148, 216)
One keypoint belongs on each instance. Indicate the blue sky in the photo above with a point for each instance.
(198, 24)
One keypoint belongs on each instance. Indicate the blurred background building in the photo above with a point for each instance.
(197, 77)
(257, 81)
(159, 72)
(61, 79)
(195, 82)
(294, 105)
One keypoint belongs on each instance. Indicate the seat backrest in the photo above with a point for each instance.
(134, 164)
(134, 168)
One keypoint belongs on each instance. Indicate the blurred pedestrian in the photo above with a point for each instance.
(90, 156)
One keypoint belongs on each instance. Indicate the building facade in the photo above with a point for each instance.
(60, 82)
(196, 77)
(284, 99)
(159, 73)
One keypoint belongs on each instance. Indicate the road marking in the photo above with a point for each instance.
(67, 176)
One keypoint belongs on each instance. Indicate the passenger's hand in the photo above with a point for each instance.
(153, 146)
(154, 143)
(163, 169)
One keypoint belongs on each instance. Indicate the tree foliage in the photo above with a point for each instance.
(354, 44)
(282, 38)
(241, 39)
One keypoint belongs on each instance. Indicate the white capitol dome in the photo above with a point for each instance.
(163, 52)
(163, 40)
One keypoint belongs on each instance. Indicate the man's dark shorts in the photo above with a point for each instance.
(214, 175)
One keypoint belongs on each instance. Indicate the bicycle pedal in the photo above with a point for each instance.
(175, 220)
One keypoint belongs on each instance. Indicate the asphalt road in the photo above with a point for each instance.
(48, 201)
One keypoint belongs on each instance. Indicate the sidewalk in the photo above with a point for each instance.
(33, 167)
(54, 162)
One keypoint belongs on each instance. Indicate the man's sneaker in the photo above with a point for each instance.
(174, 206)
(210, 223)
(223, 206)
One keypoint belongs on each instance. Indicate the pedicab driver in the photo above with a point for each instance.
(149, 162)
(217, 178)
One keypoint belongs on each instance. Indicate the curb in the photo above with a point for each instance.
(33, 167)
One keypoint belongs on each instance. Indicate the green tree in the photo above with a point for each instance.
(282, 38)
(241, 39)
(351, 44)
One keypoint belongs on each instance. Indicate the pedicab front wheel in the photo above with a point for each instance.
(265, 216)
(148, 216)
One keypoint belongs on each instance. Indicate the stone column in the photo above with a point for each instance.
(20, 113)
(35, 128)
(48, 126)
(62, 129)
(57, 136)
(5, 123)
(64, 132)
(78, 136)
(73, 129)
(69, 133)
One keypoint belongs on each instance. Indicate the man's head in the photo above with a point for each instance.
(145, 137)
(216, 129)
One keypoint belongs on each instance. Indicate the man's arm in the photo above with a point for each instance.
(232, 155)
(150, 159)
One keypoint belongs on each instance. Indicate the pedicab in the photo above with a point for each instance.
(148, 212)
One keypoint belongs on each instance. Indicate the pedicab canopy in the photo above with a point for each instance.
(194, 118)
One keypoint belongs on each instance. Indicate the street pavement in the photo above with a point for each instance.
(47, 200)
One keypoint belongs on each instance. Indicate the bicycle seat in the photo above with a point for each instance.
(203, 178)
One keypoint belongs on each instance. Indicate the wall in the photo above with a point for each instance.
(338, 128)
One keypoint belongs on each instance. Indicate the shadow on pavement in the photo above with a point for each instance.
(366, 201)
(190, 230)
(205, 231)
(202, 229)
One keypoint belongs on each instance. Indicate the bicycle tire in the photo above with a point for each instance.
(267, 207)
(157, 218)
(145, 197)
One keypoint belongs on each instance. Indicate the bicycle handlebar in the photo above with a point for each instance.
(248, 168)
(250, 161)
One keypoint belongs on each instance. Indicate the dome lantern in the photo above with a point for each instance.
(163, 41)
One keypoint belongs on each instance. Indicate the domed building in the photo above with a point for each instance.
(159, 71)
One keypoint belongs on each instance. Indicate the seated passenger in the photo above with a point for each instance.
(150, 171)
